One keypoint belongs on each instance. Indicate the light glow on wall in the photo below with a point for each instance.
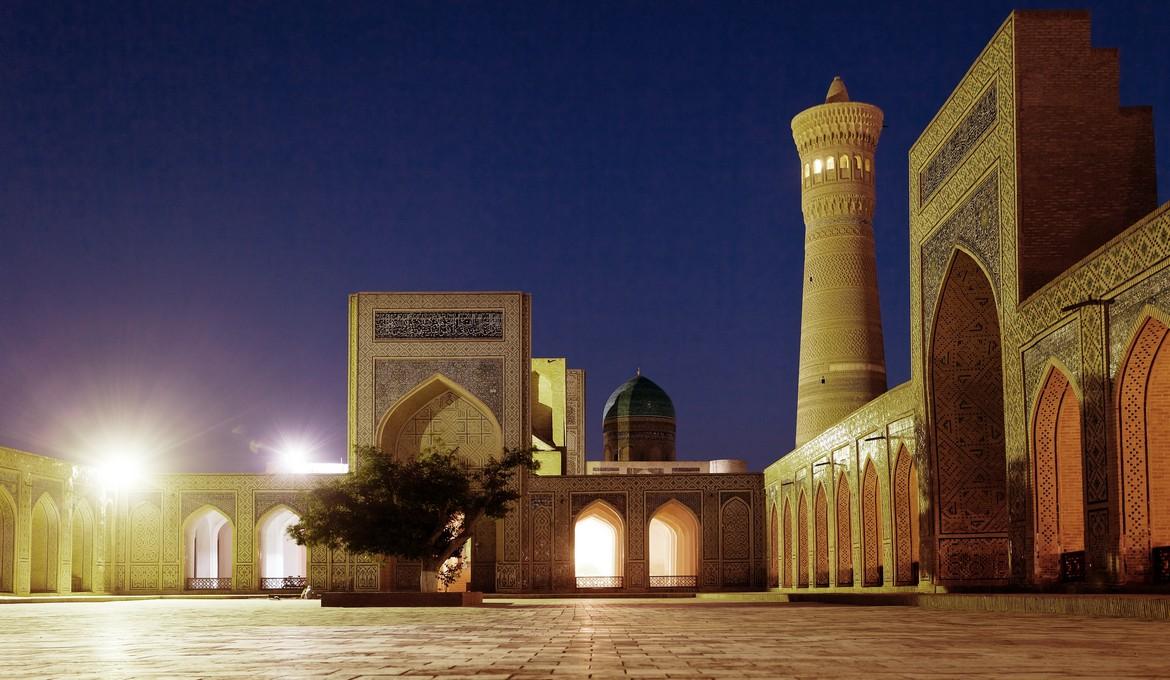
(280, 555)
(595, 547)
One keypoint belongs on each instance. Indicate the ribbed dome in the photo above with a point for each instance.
(639, 396)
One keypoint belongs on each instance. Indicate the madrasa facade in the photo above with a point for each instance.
(1029, 450)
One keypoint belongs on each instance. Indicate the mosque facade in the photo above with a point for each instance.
(1030, 448)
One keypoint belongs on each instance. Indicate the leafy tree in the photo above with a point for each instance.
(423, 509)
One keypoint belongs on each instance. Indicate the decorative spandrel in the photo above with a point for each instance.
(463, 325)
(962, 140)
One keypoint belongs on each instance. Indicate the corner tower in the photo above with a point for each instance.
(842, 362)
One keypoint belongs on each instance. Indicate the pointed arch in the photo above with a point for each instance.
(773, 548)
(7, 542)
(1057, 473)
(802, 555)
(871, 515)
(844, 530)
(599, 537)
(821, 526)
(906, 522)
(82, 562)
(280, 559)
(1143, 420)
(208, 549)
(786, 566)
(440, 410)
(967, 420)
(673, 540)
(44, 554)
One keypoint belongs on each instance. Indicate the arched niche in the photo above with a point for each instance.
(821, 526)
(871, 519)
(82, 547)
(1143, 423)
(208, 545)
(44, 552)
(844, 529)
(1057, 474)
(281, 560)
(673, 540)
(906, 521)
(802, 555)
(786, 547)
(599, 537)
(7, 542)
(440, 413)
(773, 548)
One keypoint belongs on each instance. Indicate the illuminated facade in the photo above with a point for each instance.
(1030, 446)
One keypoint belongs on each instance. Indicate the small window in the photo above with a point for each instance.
(806, 169)
(818, 166)
(857, 162)
(830, 164)
(845, 162)
(867, 166)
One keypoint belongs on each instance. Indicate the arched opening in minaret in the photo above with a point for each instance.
(598, 540)
(965, 399)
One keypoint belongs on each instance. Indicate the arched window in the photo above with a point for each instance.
(674, 538)
(857, 163)
(845, 162)
(818, 166)
(282, 561)
(598, 555)
(830, 163)
(208, 545)
(807, 170)
(868, 167)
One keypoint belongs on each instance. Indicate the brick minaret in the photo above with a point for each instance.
(842, 363)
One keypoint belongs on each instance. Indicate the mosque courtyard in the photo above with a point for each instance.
(173, 638)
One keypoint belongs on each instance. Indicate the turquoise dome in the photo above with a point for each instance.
(639, 397)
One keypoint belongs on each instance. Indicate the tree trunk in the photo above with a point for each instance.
(428, 580)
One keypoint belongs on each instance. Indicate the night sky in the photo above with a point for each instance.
(187, 195)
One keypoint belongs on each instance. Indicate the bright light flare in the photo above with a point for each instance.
(121, 467)
(595, 547)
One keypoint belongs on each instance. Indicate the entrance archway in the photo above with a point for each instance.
(673, 538)
(208, 546)
(45, 538)
(283, 563)
(1057, 476)
(598, 547)
(1143, 417)
(82, 549)
(966, 402)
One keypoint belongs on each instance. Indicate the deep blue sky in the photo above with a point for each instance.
(187, 194)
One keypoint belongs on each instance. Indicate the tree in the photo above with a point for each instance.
(423, 509)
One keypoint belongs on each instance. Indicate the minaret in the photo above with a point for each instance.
(842, 362)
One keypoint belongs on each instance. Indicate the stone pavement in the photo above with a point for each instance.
(564, 639)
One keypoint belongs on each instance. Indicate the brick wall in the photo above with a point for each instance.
(1086, 166)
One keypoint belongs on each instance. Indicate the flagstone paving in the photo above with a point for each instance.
(563, 639)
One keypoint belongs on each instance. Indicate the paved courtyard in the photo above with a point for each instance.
(563, 639)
